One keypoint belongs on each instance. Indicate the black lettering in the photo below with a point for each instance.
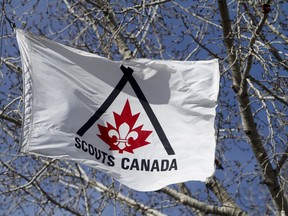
(83, 146)
(173, 165)
(104, 156)
(155, 166)
(77, 142)
(164, 165)
(90, 149)
(145, 165)
(111, 160)
(97, 154)
(134, 164)
(124, 160)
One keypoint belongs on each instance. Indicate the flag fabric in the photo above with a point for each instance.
(146, 123)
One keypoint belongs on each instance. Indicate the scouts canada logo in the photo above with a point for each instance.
(125, 136)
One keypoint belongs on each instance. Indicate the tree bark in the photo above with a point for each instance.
(208, 209)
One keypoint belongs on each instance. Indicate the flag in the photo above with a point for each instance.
(146, 123)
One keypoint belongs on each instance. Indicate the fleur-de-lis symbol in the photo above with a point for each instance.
(123, 135)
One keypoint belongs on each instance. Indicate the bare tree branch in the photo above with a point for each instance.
(186, 200)
(221, 193)
(248, 121)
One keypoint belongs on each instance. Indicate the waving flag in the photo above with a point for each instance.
(147, 123)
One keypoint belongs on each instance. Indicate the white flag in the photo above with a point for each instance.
(147, 123)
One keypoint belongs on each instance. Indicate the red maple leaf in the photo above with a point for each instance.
(124, 137)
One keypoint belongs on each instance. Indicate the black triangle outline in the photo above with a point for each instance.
(127, 77)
